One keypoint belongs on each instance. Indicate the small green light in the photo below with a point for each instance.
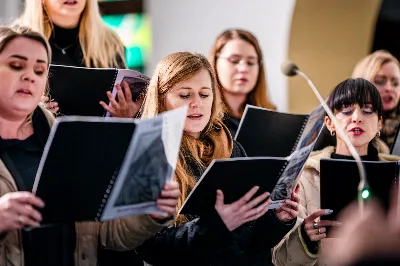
(365, 194)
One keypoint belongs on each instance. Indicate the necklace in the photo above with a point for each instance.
(63, 50)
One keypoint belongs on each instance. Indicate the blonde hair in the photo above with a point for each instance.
(171, 70)
(259, 95)
(100, 45)
(369, 66)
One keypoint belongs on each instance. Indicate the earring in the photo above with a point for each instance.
(378, 134)
(332, 133)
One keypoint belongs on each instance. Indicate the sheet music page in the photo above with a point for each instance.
(137, 83)
(149, 164)
(297, 159)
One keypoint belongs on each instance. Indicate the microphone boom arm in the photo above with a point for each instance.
(363, 181)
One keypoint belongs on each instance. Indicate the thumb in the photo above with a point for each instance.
(220, 198)
(297, 189)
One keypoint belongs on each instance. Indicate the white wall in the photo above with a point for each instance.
(9, 10)
(193, 25)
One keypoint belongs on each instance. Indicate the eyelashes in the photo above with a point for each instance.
(38, 72)
(187, 96)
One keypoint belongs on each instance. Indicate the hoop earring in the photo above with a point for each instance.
(378, 134)
(333, 133)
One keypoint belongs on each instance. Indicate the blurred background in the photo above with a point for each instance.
(324, 38)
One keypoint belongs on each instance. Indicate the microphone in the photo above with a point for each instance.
(290, 69)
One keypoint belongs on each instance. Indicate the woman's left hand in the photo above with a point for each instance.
(125, 107)
(168, 200)
(290, 208)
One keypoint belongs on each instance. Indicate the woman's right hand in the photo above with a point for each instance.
(17, 211)
(50, 105)
(316, 230)
(242, 210)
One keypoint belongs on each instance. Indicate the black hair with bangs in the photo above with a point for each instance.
(355, 91)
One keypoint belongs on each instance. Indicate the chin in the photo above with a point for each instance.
(389, 107)
(25, 109)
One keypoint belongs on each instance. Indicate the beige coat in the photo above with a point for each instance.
(120, 234)
(292, 250)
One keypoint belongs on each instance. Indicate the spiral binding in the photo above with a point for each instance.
(115, 78)
(301, 133)
(106, 195)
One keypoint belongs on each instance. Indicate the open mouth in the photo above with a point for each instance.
(24, 92)
(387, 99)
(357, 131)
(70, 2)
(195, 116)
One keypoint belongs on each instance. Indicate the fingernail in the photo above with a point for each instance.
(339, 223)
(327, 212)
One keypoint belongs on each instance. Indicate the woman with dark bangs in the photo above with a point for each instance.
(357, 106)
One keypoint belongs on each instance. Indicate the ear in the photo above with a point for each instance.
(380, 123)
(329, 125)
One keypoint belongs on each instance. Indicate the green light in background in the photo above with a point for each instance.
(135, 33)
(365, 194)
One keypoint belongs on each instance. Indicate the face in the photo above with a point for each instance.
(197, 93)
(238, 67)
(64, 9)
(359, 124)
(387, 82)
(23, 75)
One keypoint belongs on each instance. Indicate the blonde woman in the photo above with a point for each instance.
(238, 62)
(240, 233)
(383, 70)
(24, 128)
(79, 37)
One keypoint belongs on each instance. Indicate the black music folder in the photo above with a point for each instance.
(96, 169)
(263, 132)
(339, 181)
(234, 177)
(78, 90)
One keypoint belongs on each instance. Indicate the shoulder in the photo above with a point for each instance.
(45, 113)
(315, 157)
(238, 150)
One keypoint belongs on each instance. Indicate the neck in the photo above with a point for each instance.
(66, 22)
(235, 103)
(15, 129)
(195, 135)
(342, 149)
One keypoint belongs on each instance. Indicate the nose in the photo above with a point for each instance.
(196, 103)
(388, 86)
(357, 116)
(242, 67)
(28, 77)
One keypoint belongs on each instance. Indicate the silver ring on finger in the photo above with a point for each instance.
(315, 225)
(319, 231)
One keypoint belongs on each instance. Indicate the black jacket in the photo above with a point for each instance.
(207, 241)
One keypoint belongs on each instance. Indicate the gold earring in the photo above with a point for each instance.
(378, 134)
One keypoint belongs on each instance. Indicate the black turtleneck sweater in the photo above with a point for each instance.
(68, 40)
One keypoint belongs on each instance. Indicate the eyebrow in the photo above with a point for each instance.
(248, 57)
(26, 58)
(188, 88)
(384, 76)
